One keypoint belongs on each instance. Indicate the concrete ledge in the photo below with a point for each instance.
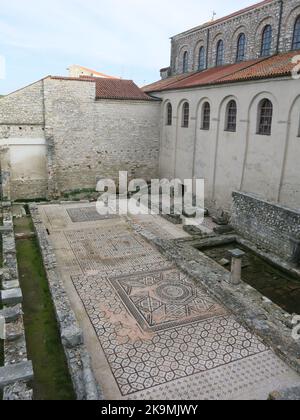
(21, 372)
(11, 297)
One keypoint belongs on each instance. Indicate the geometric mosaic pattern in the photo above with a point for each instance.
(164, 299)
(141, 359)
(162, 335)
(87, 214)
(113, 252)
(247, 379)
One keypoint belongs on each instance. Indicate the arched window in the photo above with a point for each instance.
(266, 45)
(231, 116)
(201, 63)
(241, 48)
(169, 114)
(206, 116)
(265, 117)
(185, 65)
(296, 37)
(185, 115)
(220, 53)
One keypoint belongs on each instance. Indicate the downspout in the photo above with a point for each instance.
(279, 26)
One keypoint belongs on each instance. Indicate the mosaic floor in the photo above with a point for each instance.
(152, 332)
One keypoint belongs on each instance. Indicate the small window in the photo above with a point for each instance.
(266, 45)
(220, 53)
(206, 117)
(231, 117)
(201, 64)
(185, 115)
(241, 48)
(296, 37)
(265, 117)
(185, 62)
(169, 114)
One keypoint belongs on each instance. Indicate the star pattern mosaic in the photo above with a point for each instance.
(164, 299)
(142, 359)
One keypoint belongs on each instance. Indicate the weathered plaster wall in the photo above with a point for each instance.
(266, 224)
(22, 143)
(244, 160)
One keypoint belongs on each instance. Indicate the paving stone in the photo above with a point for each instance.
(11, 297)
(16, 373)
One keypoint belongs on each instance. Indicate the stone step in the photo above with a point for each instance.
(11, 297)
(20, 372)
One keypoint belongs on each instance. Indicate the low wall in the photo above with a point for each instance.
(269, 225)
(15, 350)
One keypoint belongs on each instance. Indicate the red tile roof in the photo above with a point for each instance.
(119, 89)
(112, 88)
(264, 68)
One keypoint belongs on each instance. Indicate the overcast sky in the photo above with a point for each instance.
(127, 38)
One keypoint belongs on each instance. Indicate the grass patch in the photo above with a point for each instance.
(52, 380)
(1, 341)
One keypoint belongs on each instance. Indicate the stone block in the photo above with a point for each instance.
(12, 284)
(12, 314)
(21, 372)
(72, 336)
(11, 297)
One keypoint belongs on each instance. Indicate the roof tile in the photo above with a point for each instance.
(279, 65)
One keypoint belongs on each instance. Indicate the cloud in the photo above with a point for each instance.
(128, 35)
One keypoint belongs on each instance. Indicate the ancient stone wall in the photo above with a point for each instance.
(55, 138)
(97, 139)
(270, 225)
(251, 23)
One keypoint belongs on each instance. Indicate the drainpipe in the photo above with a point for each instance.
(279, 26)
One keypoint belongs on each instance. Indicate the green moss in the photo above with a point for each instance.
(52, 380)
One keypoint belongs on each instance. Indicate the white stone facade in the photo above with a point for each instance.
(241, 160)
